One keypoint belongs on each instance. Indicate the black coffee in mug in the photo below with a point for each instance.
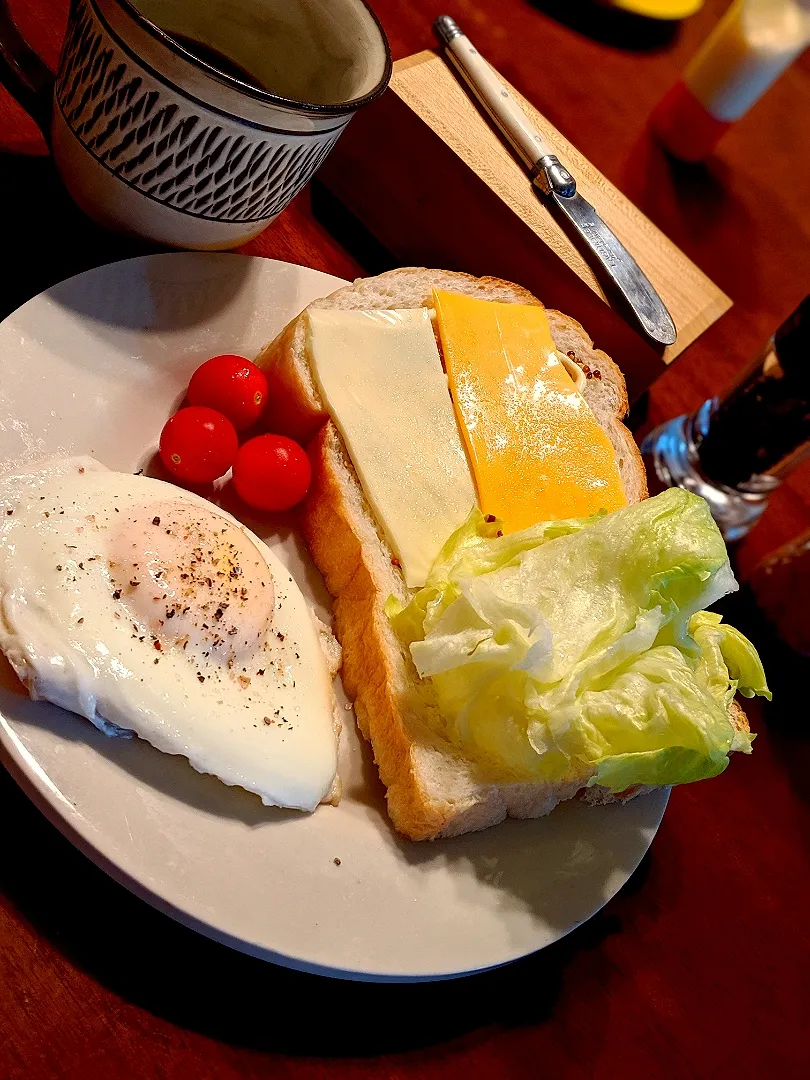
(293, 49)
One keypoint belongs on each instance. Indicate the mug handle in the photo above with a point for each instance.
(26, 77)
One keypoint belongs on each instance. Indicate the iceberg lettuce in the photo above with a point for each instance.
(583, 645)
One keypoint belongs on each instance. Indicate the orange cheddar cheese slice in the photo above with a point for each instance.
(536, 450)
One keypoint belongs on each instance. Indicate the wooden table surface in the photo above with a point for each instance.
(701, 966)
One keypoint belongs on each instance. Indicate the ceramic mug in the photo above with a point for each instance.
(193, 123)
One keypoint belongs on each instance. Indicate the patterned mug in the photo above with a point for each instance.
(193, 123)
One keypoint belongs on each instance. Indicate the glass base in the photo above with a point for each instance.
(671, 455)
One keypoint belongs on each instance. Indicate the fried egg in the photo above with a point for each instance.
(150, 611)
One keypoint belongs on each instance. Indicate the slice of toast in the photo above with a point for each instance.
(431, 789)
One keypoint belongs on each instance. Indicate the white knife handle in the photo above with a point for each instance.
(492, 94)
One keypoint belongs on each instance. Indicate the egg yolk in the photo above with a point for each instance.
(192, 580)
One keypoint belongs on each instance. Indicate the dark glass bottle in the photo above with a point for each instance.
(736, 449)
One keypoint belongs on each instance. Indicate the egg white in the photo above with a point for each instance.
(148, 610)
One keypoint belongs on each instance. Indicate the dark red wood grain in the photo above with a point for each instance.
(700, 968)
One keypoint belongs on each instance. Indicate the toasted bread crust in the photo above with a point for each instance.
(431, 790)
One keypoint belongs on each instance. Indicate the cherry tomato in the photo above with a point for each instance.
(231, 384)
(198, 444)
(271, 472)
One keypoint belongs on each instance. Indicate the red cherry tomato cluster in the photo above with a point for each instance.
(199, 443)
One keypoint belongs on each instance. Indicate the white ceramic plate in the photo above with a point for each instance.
(96, 365)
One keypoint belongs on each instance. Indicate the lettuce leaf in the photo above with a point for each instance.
(584, 644)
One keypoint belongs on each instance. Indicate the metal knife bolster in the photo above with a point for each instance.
(552, 177)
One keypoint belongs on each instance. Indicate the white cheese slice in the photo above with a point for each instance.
(380, 376)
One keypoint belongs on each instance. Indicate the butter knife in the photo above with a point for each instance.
(556, 183)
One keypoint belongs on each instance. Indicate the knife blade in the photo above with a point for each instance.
(556, 183)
